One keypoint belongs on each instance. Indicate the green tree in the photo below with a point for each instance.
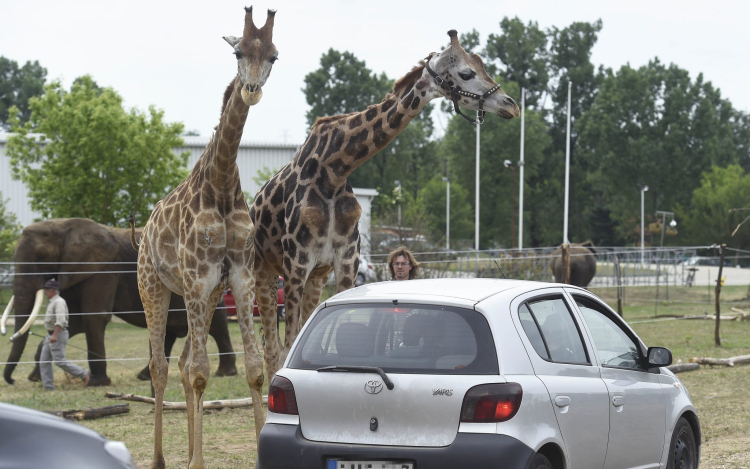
(708, 220)
(17, 86)
(522, 49)
(654, 126)
(432, 198)
(10, 229)
(81, 154)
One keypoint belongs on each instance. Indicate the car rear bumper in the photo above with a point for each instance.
(284, 447)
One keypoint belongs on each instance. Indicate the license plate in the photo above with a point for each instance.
(335, 464)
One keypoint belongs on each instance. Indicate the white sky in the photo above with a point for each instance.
(172, 55)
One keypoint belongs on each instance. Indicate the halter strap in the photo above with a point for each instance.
(456, 92)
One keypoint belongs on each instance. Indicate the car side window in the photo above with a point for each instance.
(615, 347)
(552, 331)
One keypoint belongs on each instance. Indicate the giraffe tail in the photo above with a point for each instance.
(133, 242)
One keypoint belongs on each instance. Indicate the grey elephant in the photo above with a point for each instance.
(74, 250)
(582, 264)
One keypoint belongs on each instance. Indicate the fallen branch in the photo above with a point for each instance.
(722, 361)
(168, 405)
(744, 314)
(94, 413)
(683, 367)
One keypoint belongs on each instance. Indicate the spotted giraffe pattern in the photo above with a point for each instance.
(198, 241)
(306, 215)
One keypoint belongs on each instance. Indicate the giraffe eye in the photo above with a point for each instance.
(466, 76)
(238, 54)
(273, 59)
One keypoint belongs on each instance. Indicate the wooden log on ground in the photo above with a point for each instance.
(168, 405)
(683, 367)
(721, 361)
(745, 314)
(93, 413)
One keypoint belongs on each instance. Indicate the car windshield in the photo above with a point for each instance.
(399, 339)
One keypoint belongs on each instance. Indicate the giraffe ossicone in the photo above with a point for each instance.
(199, 240)
(306, 215)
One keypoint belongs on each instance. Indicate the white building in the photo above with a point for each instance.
(252, 157)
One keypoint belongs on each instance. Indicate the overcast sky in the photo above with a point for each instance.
(172, 55)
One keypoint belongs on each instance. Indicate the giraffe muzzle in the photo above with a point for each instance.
(251, 94)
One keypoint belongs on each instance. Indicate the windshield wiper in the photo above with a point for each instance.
(361, 369)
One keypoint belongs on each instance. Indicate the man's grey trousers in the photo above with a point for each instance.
(56, 352)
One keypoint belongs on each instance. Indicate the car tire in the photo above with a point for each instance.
(539, 461)
(683, 452)
(360, 280)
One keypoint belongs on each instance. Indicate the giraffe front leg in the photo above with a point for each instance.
(346, 266)
(266, 289)
(189, 395)
(313, 290)
(243, 286)
(155, 297)
(200, 306)
(294, 291)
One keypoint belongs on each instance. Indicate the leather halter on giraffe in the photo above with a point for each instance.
(199, 240)
(306, 215)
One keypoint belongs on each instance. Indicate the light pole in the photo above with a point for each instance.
(643, 227)
(664, 216)
(447, 213)
(567, 170)
(476, 201)
(398, 188)
(520, 164)
(509, 164)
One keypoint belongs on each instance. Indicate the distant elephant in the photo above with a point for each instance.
(57, 248)
(582, 264)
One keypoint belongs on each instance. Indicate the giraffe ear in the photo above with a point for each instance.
(233, 41)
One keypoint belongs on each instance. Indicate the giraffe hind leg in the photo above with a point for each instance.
(266, 289)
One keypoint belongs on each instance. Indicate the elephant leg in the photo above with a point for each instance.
(219, 330)
(94, 328)
(169, 340)
(36, 374)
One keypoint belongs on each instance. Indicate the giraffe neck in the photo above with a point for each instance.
(220, 165)
(343, 143)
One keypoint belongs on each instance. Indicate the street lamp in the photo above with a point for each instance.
(643, 228)
(664, 216)
(509, 164)
(447, 213)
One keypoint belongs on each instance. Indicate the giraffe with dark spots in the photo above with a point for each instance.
(320, 211)
(200, 240)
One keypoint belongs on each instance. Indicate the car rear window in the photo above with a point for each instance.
(412, 338)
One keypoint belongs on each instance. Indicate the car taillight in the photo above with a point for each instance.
(281, 398)
(491, 403)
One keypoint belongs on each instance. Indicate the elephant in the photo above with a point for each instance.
(74, 251)
(582, 264)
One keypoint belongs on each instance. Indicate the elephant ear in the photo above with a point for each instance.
(88, 247)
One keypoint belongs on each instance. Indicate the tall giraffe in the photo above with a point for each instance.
(306, 215)
(198, 241)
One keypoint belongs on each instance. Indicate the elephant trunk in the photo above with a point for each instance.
(25, 303)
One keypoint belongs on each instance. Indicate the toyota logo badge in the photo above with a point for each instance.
(373, 387)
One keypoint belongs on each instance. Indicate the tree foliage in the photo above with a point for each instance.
(17, 86)
(10, 230)
(709, 220)
(81, 154)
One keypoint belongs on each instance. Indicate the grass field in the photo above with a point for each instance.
(229, 436)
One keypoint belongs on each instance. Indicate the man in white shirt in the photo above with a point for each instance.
(56, 323)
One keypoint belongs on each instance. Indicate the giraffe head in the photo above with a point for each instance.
(467, 71)
(255, 54)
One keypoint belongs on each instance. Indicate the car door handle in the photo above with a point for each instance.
(562, 401)
(618, 401)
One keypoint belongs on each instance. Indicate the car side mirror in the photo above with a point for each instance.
(659, 356)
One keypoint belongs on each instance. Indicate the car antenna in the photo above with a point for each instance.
(498, 268)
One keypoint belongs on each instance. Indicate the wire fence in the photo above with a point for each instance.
(649, 267)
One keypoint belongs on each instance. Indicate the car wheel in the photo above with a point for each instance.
(360, 280)
(539, 461)
(262, 336)
(281, 312)
(683, 453)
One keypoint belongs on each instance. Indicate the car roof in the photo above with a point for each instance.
(462, 292)
(10, 413)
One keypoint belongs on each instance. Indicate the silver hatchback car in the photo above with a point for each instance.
(475, 373)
